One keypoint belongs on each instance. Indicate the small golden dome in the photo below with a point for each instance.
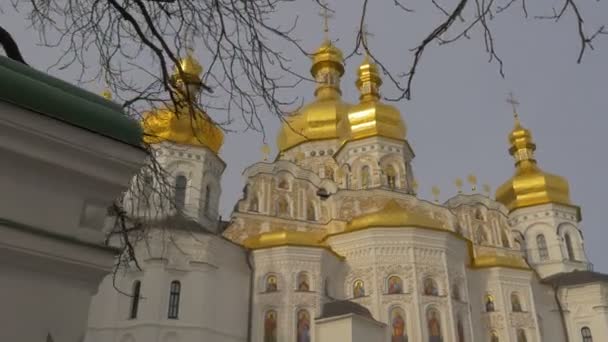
(392, 215)
(176, 124)
(371, 117)
(319, 119)
(191, 67)
(284, 238)
(530, 185)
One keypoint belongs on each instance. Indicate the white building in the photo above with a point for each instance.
(331, 243)
(65, 156)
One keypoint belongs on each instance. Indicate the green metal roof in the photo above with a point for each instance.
(36, 91)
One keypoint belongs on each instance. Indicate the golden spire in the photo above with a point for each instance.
(327, 64)
(472, 179)
(458, 182)
(265, 151)
(436, 192)
(530, 185)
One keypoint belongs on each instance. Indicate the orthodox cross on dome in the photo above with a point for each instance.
(326, 15)
(514, 103)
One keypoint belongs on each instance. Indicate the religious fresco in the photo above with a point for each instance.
(490, 303)
(271, 284)
(430, 287)
(434, 325)
(398, 329)
(303, 326)
(270, 326)
(395, 285)
(303, 284)
(358, 289)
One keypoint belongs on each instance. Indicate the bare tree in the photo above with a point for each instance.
(132, 45)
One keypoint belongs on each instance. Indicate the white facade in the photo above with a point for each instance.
(57, 182)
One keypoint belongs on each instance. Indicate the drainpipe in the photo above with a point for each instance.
(250, 309)
(561, 312)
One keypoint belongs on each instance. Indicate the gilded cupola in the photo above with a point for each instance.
(175, 123)
(371, 117)
(319, 119)
(530, 185)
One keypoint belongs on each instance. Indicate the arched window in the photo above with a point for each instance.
(181, 182)
(433, 321)
(543, 252)
(270, 326)
(365, 177)
(391, 177)
(135, 296)
(586, 333)
(515, 303)
(569, 249)
(207, 200)
(395, 285)
(490, 303)
(303, 283)
(494, 337)
(430, 287)
(358, 289)
(303, 326)
(521, 336)
(174, 294)
(479, 215)
(271, 283)
(310, 212)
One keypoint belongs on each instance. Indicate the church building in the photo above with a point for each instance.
(331, 243)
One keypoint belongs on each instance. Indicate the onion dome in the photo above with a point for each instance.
(176, 124)
(319, 119)
(371, 117)
(393, 216)
(530, 185)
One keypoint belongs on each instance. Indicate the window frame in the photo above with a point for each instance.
(175, 290)
(135, 297)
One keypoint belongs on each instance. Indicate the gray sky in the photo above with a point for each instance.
(458, 119)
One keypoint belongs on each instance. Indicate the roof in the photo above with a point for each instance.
(576, 278)
(343, 307)
(39, 92)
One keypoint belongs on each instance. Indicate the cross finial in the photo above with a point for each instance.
(266, 151)
(326, 14)
(514, 103)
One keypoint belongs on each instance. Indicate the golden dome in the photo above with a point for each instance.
(176, 124)
(284, 238)
(530, 185)
(371, 117)
(319, 119)
(392, 215)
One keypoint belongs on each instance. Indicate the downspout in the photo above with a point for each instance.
(561, 312)
(250, 308)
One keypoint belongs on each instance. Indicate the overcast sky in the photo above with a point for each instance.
(458, 119)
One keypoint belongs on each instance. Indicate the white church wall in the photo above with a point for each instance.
(585, 306)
